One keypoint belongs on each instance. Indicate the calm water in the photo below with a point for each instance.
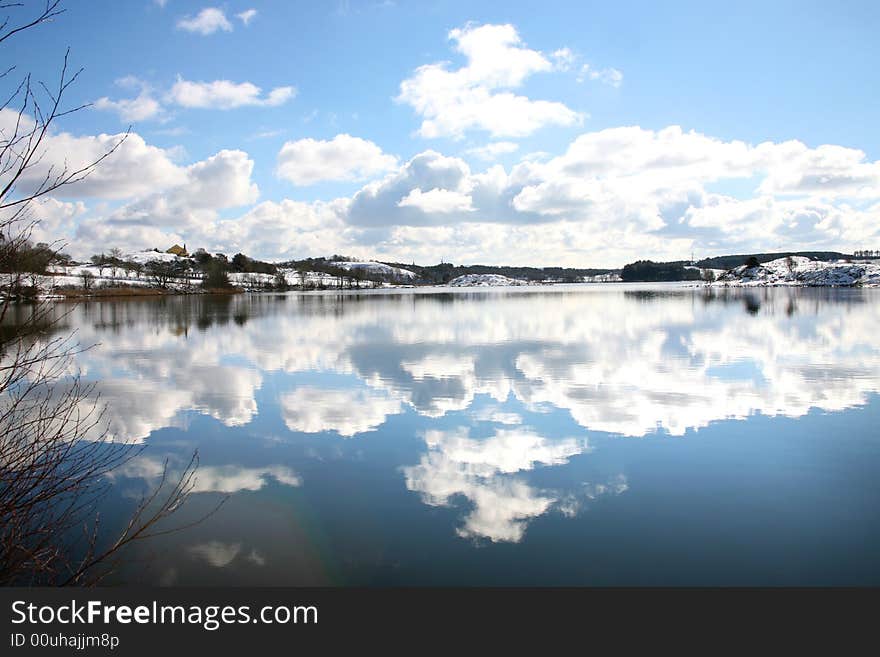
(569, 435)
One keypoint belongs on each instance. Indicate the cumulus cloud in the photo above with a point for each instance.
(185, 210)
(309, 161)
(224, 94)
(611, 196)
(133, 169)
(285, 229)
(427, 189)
(636, 191)
(437, 201)
(208, 21)
(477, 95)
(53, 219)
(826, 171)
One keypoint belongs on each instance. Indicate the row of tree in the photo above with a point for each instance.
(647, 270)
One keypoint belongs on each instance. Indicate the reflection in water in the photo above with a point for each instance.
(616, 364)
(347, 412)
(477, 385)
(483, 471)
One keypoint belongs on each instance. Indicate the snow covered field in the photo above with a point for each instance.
(378, 268)
(485, 280)
(802, 271)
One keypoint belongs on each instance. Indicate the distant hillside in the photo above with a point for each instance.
(731, 261)
(649, 271)
(445, 272)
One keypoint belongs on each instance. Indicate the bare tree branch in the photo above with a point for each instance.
(50, 12)
(57, 455)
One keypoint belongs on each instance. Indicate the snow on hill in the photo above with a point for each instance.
(485, 280)
(143, 257)
(799, 270)
(374, 268)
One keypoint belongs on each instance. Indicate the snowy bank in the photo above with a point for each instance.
(485, 280)
(801, 271)
(377, 269)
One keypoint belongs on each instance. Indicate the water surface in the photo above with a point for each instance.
(604, 434)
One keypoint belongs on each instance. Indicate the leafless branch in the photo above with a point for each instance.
(57, 455)
(49, 12)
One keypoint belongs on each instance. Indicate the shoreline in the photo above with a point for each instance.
(133, 291)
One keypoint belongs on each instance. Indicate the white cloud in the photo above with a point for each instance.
(131, 109)
(482, 470)
(134, 168)
(53, 220)
(826, 171)
(224, 94)
(612, 196)
(506, 451)
(218, 94)
(639, 191)
(143, 107)
(286, 229)
(207, 21)
(491, 151)
(437, 200)
(187, 210)
(216, 553)
(247, 16)
(474, 97)
(234, 478)
(379, 203)
(345, 411)
(309, 161)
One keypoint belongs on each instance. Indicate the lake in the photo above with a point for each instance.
(610, 434)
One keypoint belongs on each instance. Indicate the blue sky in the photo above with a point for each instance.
(581, 101)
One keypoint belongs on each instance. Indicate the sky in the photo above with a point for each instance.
(585, 135)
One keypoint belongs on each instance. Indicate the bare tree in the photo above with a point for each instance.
(55, 448)
(161, 273)
(88, 280)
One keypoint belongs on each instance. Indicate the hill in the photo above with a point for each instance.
(731, 261)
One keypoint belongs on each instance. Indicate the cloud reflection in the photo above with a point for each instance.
(210, 478)
(485, 472)
(612, 359)
(347, 411)
(625, 363)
